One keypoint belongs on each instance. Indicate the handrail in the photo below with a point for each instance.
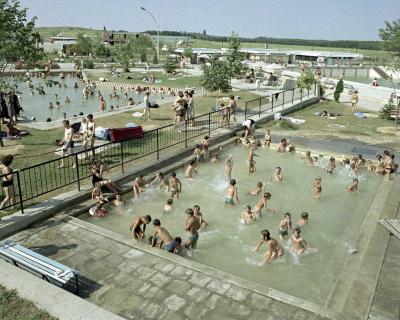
(39, 179)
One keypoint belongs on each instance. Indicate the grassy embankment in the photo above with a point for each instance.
(12, 307)
(346, 126)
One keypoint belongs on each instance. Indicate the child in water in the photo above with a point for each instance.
(331, 165)
(248, 216)
(267, 138)
(252, 163)
(199, 216)
(168, 205)
(197, 153)
(308, 158)
(285, 225)
(304, 219)
(353, 187)
(119, 200)
(228, 168)
(178, 247)
(191, 169)
(259, 188)
(317, 187)
(277, 177)
(298, 242)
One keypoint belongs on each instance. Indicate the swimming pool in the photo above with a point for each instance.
(227, 244)
(38, 105)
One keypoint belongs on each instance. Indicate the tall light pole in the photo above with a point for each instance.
(158, 29)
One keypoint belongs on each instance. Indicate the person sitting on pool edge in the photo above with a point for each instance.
(135, 228)
(192, 227)
(162, 235)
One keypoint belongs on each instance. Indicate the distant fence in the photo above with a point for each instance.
(266, 104)
(32, 182)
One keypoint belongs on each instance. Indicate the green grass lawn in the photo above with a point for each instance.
(180, 82)
(352, 125)
(12, 307)
(39, 146)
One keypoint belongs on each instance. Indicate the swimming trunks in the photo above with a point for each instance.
(193, 237)
(170, 246)
(137, 230)
(283, 233)
(229, 200)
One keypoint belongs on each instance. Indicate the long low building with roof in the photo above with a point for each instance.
(200, 55)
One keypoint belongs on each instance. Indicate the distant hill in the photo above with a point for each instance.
(47, 32)
(173, 36)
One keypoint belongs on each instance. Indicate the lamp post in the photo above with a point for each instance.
(158, 29)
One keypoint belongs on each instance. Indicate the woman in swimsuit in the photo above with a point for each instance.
(7, 181)
(275, 249)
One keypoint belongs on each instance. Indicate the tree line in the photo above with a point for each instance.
(352, 44)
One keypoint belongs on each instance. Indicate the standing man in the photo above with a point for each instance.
(192, 227)
(354, 100)
(68, 143)
(146, 105)
(90, 131)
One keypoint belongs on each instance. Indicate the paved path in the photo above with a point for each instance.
(136, 285)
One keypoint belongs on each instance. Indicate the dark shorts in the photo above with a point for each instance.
(170, 246)
(69, 144)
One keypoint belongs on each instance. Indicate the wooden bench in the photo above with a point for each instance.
(41, 266)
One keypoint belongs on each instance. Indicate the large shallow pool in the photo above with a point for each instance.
(227, 244)
(38, 105)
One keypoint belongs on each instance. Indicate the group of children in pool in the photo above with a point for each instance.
(195, 218)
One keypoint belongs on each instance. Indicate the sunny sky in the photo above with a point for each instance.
(306, 19)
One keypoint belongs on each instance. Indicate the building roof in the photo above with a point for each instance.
(263, 51)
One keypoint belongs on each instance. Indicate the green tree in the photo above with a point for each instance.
(306, 80)
(83, 46)
(338, 90)
(170, 65)
(124, 56)
(216, 76)
(99, 48)
(141, 45)
(390, 36)
(188, 52)
(388, 110)
(18, 40)
(234, 56)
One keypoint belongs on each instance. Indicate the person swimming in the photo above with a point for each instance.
(262, 203)
(317, 187)
(353, 187)
(277, 177)
(304, 219)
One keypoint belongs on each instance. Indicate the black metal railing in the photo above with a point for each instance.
(35, 181)
(272, 102)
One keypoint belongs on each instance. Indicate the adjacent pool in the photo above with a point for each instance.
(38, 105)
(227, 244)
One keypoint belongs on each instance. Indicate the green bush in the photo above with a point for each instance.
(338, 90)
(387, 110)
(88, 64)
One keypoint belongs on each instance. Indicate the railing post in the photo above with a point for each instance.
(209, 124)
(301, 95)
(122, 156)
(158, 146)
(283, 99)
(186, 138)
(245, 111)
(293, 95)
(308, 93)
(77, 171)
(259, 109)
(272, 103)
(19, 192)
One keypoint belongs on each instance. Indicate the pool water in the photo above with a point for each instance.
(37, 105)
(227, 244)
